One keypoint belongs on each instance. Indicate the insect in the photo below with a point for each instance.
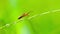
(23, 15)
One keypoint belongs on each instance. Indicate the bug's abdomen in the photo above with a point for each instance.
(20, 17)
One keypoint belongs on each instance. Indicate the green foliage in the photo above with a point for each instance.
(44, 17)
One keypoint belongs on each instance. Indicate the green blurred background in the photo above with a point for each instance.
(48, 23)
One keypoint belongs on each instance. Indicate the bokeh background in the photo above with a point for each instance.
(48, 23)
